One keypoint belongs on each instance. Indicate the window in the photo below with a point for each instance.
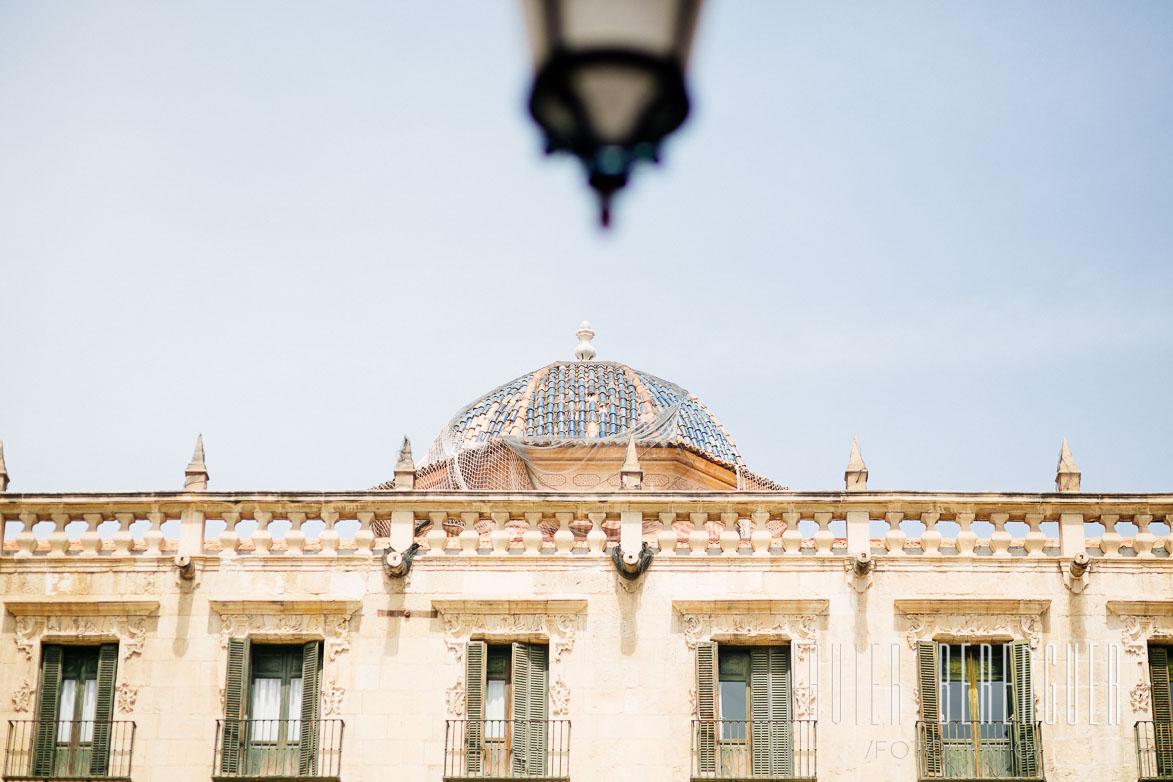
(506, 699)
(271, 726)
(75, 706)
(977, 706)
(743, 704)
(1156, 748)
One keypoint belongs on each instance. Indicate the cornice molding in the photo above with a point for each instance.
(75, 606)
(983, 606)
(512, 606)
(752, 605)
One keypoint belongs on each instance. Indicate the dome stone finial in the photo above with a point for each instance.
(585, 350)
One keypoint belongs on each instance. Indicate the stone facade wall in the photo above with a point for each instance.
(622, 659)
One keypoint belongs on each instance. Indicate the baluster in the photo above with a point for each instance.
(824, 537)
(667, 536)
(759, 538)
(1000, 539)
(1036, 539)
(499, 535)
(563, 537)
(91, 541)
(596, 538)
(328, 537)
(894, 538)
(966, 537)
(730, 538)
(791, 534)
(364, 536)
(262, 537)
(58, 540)
(1166, 540)
(153, 537)
(437, 536)
(1110, 540)
(229, 537)
(1144, 541)
(122, 537)
(698, 538)
(531, 539)
(26, 540)
(930, 539)
(295, 537)
(469, 537)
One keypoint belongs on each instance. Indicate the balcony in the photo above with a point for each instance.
(507, 749)
(1154, 751)
(746, 749)
(278, 750)
(979, 750)
(68, 750)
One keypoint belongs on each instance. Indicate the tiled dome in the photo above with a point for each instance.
(594, 401)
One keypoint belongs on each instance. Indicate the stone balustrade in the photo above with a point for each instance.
(717, 524)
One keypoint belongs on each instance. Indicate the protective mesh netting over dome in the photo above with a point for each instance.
(586, 405)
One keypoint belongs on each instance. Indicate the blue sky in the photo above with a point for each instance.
(308, 229)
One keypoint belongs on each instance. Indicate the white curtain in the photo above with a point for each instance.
(265, 709)
(294, 710)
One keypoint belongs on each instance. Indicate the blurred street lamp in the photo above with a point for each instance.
(609, 81)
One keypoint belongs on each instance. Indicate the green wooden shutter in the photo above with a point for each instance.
(928, 672)
(781, 744)
(537, 701)
(1162, 709)
(519, 671)
(1026, 750)
(770, 737)
(311, 700)
(475, 655)
(761, 711)
(104, 713)
(235, 705)
(706, 707)
(46, 734)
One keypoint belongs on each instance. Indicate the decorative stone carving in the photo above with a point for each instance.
(977, 619)
(1140, 622)
(127, 696)
(332, 695)
(805, 701)
(799, 628)
(924, 627)
(559, 628)
(559, 698)
(334, 629)
(792, 620)
(1139, 695)
(22, 696)
(510, 620)
(455, 699)
(75, 621)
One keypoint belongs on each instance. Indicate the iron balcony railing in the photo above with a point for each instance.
(507, 749)
(754, 749)
(68, 749)
(1154, 750)
(278, 749)
(979, 750)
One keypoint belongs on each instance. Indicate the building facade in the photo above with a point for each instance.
(582, 579)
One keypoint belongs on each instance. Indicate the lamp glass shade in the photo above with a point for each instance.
(609, 79)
